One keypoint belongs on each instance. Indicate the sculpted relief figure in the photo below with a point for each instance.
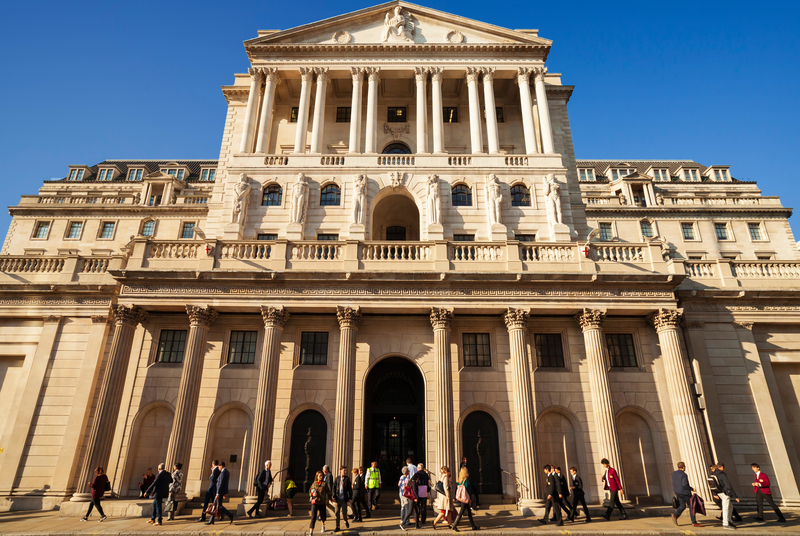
(552, 194)
(359, 199)
(300, 199)
(242, 201)
(398, 23)
(494, 199)
(434, 201)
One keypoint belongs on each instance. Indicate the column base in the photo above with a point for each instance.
(81, 497)
(530, 507)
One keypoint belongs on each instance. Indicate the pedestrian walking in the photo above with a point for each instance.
(713, 485)
(221, 494)
(358, 495)
(364, 495)
(212, 489)
(99, 486)
(421, 484)
(406, 496)
(412, 469)
(444, 497)
(319, 494)
(578, 495)
(343, 495)
(373, 486)
(328, 478)
(159, 490)
(463, 497)
(613, 484)
(763, 493)
(564, 502)
(174, 490)
(290, 490)
(262, 483)
(726, 494)
(683, 491)
(553, 498)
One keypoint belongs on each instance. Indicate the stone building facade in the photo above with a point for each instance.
(397, 254)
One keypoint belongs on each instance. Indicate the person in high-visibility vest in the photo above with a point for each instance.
(373, 485)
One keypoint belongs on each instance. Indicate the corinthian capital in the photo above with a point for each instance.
(271, 74)
(539, 72)
(374, 73)
(523, 75)
(274, 317)
(307, 74)
(472, 74)
(488, 74)
(322, 74)
(254, 72)
(201, 316)
(666, 319)
(441, 318)
(348, 317)
(357, 73)
(130, 316)
(420, 74)
(516, 319)
(590, 319)
(436, 73)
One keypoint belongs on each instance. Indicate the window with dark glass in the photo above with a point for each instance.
(605, 231)
(148, 228)
(273, 194)
(477, 351)
(171, 345)
(331, 195)
(464, 238)
(525, 237)
(314, 348)
(267, 236)
(688, 231)
(647, 229)
(242, 349)
(343, 114)
(395, 232)
(520, 196)
(549, 350)
(450, 114)
(621, 351)
(397, 148)
(135, 175)
(188, 229)
(396, 114)
(42, 229)
(328, 236)
(755, 231)
(499, 112)
(75, 229)
(293, 116)
(107, 229)
(462, 196)
(721, 230)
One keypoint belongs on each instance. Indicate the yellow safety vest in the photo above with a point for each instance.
(373, 478)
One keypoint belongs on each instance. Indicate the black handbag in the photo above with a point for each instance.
(108, 486)
(675, 502)
(439, 487)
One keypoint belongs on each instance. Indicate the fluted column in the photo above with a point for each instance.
(250, 115)
(681, 399)
(524, 412)
(491, 111)
(180, 439)
(349, 318)
(591, 322)
(526, 107)
(306, 77)
(355, 109)
(265, 123)
(436, 110)
(421, 77)
(318, 126)
(476, 140)
(372, 109)
(544, 111)
(101, 434)
(445, 426)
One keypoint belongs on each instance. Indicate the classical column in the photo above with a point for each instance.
(372, 109)
(318, 126)
(306, 77)
(101, 435)
(180, 439)
(437, 111)
(476, 140)
(349, 318)
(681, 399)
(491, 111)
(264, 418)
(445, 426)
(524, 413)
(526, 107)
(265, 123)
(355, 109)
(544, 110)
(421, 76)
(250, 115)
(591, 322)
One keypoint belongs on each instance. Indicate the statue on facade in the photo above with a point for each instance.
(359, 199)
(300, 199)
(552, 195)
(434, 201)
(398, 23)
(494, 199)
(659, 199)
(242, 201)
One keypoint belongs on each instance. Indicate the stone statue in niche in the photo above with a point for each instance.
(359, 199)
(398, 23)
(552, 195)
(242, 201)
(494, 199)
(434, 200)
(300, 199)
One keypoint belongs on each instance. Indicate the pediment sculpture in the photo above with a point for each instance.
(398, 23)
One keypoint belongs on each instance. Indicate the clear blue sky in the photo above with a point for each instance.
(716, 82)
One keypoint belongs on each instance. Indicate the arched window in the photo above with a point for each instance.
(396, 232)
(397, 148)
(272, 196)
(520, 196)
(331, 196)
(148, 227)
(462, 196)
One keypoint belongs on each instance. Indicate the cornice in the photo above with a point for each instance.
(682, 209)
(258, 51)
(107, 209)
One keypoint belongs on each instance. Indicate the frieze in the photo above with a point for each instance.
(14, 302)
(720, 308)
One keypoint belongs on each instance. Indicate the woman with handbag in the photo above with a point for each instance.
(463, 498)
(406, 497)
(320, 495)
(444, 497)
(99, 486)
(174, 490)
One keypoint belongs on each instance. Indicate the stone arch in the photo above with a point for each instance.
(642, 457)
(268, 184)
(558, 434)
(398, 142)
(322, 457)
(501, 433)
(395, 207)
(480, 443)
(149, 442)
(229, 435)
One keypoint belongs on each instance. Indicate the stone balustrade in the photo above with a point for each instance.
(357, 162)
(58, 270)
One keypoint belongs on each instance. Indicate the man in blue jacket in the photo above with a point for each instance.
(212, 489)
(683, 491)
(159, 490)
(222, 493)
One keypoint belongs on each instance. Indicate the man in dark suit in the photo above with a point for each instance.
(222, 493)
(613, 484)
(212, 489)
(553, 497)
(578, 495)
(565, 504)
(342, 494)
(327, 477)
(159, 490)
(761, 488)
(683, 491)
(262, 483)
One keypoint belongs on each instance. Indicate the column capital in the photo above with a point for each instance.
(271, 74)
(51, 319)
(307, 74)
(523, 75)
(539, 72)
(666, 319)
(322, 74)
(254, 72)
(420, 74)
(201, 316)
(516, 319)
(436, 73)
(99, 319)
(744, 325)
(274, 317)
(441, 318)
(128, 315)
(590, 319)
(374, 73)
(472, 74)
(357, 73)
(348, 317)
(488, 74)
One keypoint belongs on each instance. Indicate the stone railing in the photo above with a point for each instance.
(618, 253)
(195, 200)
(516, 160)
(699, 269)
(395, 160)
(539, 253)
(331, 161)
(476, 251)
(715, 201)
(36, 265)
(396, 252)
(94, 265)
(58, 270)
(276, 160)
(766, 269)
(256, 250)
(176, 249)
(316, 251)
(459, 160)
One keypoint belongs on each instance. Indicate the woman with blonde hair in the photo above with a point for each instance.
(444, 497)
(463, 499)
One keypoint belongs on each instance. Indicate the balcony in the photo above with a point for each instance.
(744, 274)
(62, 269)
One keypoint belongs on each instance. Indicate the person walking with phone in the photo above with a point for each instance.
(98, 485)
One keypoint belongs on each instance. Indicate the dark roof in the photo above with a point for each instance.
(602, 166)
(151, 166)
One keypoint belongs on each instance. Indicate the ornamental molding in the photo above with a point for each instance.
(100, 319)
(666, 319)
(397, 130)
(274, 317)
(129, 316)
(744, 308)
(590, 319)
(201, 316)
(694, 324)
(441, 318)
(348, 317)
(52, 319)
(342, 37)
(516, 319)
(53, 302)
(743, 325)
(455, 37)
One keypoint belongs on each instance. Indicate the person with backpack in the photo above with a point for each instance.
(99, 486)
(713, 485)
(762, 491)
(463, 498)
(421, 484)
(725, 493)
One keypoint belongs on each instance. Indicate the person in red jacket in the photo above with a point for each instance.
(762, 491)
(612, 483)
(98, 486)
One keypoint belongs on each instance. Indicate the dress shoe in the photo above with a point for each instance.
(346, 523)
(543, 521)
(231, 523)
(560, 524)
(606, 517)
(759, 519)
(588, 519)
(250, 514)
(780, 520)
(674, 519)
(210, 522)
(201, 520)
(696, 525)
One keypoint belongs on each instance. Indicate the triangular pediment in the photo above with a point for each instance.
(398, 23)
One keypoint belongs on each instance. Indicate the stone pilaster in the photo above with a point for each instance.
(355, 110)
(445, 426)
(491, 111)
(306, 78)
(272, 80)
(318, 126)
(421, 78)
(349, 319)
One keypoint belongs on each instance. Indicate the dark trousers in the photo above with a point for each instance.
(316, 509)
(95, 503)
(259, 501)
(555, 504)
(222, 511)
(341, 511)
(210, 494)
(576, 498)
(760, 498)
(734, 514)
(157, 513)
(373, 494)
(683, 504)
(614, 502)
(357, 503)
(420, 506)
(462, 508)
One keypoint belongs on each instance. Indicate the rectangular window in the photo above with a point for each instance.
(314, 348)
(397, 114)
(135, 175)
(172, 172)
(267, 236)
(464, 238)
(688, 231)
(525, 237)
(647, 229)
(755, 231)
(42, 228)
(328, 236)
(107, 229)
(208, 175)
(106, 174)
(621, 351)
(293, 117)
(764, 257)
(477, 352)
(691, 175)
(188, 229)
(343, 114)
(619, 173)
(721, 230)
(661, 175)
(499, 114)
(606, 233)
(242, 349)
(148, 228)
(74, 230)
(721, 174)
(171, 345)
(586, 174)
(730, 256)
(549, 350)
(76, 174)
(450, 114)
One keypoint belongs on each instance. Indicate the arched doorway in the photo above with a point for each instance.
(308, 447)
(229, 441)
(151, 439)
(639, 462)
(556, 439)
(395, 217)
(480, 445)
(394, 417)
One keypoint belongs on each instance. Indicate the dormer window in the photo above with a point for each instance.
(76, 175)
(105, 175)
(135, 175)
(621, 172)
(661, 175)
(177, 173)
(721, 175)
(691, 175)
(208, 174)
(586, 174)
